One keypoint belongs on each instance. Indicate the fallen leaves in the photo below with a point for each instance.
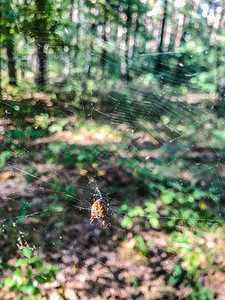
(7, 175)
(130, 244)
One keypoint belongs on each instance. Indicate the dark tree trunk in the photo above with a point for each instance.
(124, 69)
(219, 48)
(42, 65)
(11, 59)
(103, 56)
(135, 35)
(41, 39)
(158, 65)
(71, 9)
(77, 46)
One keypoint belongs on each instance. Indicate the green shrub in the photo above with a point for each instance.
(29, 274)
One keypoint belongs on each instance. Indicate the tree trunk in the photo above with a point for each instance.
(71, 9)
(42, 65)
(158, 65)
(124, 64)
(135, 35)
(41, 39)
(11, 59)
(103, 56)
(77, 46)
(219, 53)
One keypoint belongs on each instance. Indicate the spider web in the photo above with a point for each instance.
(135, 105)
(138, 116)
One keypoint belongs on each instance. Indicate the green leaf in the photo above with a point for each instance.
(141, 245)
(154, 222)
(167, 196)
(202, 294)
(41, 279)
(136, 212)
(4, 156)
(123, 209)
(13, 287)
(32, 290)
(21, 262)
(127, 222)
(36, 261)
(173, 280)
(17, 277)
(150, 206)
(29, 273)
(27, 252)
(177, 270)
(8, 281)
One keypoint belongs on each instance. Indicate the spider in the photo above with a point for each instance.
(99, 211)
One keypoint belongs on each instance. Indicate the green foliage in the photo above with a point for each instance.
(180, 275)
(127, 222)
(61, 195)
(4, 157)
(201, 294)
(192, 58)
(31, 174)
(190, 257)
(58, 127)
(71, 155)
(175, 204)
(29, 273)
(192, 252)
(134, 215)
(218, 138)
(42, 121)
(176, 275)
(24, 211)
(205, 81)
(141, 245)
(67, 191)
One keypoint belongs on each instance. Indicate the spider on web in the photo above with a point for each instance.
(99, 210)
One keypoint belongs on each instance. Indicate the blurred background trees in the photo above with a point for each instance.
(44, 40)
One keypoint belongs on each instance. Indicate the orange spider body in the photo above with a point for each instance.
(99, 211)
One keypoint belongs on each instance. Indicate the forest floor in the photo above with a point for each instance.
(95, 263)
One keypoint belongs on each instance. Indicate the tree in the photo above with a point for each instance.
(41, 37)
(124, 69)
(7, 32)
(158, 65)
